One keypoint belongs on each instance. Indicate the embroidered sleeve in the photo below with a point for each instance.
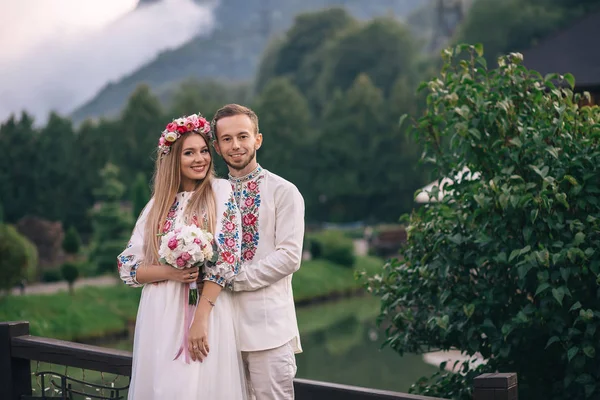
(130, 259)
(227, 237)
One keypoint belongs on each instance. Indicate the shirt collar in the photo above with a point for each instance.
(252, 175)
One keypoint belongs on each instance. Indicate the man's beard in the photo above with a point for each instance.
(244, 165)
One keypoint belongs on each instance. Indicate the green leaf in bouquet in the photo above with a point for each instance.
(215, 256)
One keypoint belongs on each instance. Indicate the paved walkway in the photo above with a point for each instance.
(54, 287)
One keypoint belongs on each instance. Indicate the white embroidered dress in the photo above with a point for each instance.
(160, 321)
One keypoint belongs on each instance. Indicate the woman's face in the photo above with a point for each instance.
(195, 161)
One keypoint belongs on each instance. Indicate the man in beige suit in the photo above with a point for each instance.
(272, 212)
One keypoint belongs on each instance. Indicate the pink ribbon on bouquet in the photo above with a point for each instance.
(187, 323)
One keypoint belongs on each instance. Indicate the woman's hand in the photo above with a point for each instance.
(186, 275)
(198, 337)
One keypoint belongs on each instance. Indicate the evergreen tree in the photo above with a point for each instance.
(141, 122)
(55, 172)
(353, 129)
(19, 166)
(285, 123)
(111, 225)
(383, 49)
(140, 195)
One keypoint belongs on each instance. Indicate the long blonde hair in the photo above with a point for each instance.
(166, 185)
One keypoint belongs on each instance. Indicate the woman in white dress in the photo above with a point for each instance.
(185, 191)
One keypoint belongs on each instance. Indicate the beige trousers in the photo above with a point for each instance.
(270, 373)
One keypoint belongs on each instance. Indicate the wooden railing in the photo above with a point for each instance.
(18, 349)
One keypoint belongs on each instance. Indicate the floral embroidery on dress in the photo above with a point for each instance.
(249, 207)
(126, 260)
(171, 215)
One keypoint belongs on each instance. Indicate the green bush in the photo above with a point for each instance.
(31, 265)
(507, 264)
(334, 246)
(13, 257)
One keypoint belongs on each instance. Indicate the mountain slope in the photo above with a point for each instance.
(232, 52)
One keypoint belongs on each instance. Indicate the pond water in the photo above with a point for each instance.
(341, 344)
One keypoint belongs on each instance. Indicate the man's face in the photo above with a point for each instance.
(237, 142)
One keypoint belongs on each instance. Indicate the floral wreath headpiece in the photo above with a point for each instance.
(191, 123)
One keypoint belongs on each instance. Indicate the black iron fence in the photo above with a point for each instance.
(18, 350)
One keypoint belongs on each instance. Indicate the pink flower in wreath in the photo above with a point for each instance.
(230, 242)
(172, 243)
(203, 124)
(167, 226)
(249, 219)
(172, 127)
(252, 185)
(229, 226)
(228, 257)
(248, 254)
(193, 119)
(247, 237)
(249, 201)
(161, 141)
(181, 129)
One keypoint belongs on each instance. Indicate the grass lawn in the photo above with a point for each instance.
(100, 311)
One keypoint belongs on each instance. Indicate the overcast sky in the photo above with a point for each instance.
(56, 54)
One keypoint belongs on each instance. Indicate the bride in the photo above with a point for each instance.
(172, 360)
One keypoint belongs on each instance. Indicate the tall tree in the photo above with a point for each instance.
(309, 32)
(383, 49)
(18, 166)
(111, 224)
(96, 142)
(55, 175)
(141, 122)
(353, 128)
(285, 123)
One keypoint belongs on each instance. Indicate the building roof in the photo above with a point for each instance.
(575, 49)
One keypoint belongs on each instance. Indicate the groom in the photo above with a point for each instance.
(272, 235)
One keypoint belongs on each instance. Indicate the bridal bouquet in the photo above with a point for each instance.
(186, 247)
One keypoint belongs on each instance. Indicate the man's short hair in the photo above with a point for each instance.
(231, 110)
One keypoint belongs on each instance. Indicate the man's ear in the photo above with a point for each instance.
(217, 148)
(259, 140)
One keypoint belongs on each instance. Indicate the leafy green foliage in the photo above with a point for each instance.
(111, 224)
(13, 257)
(72, 242)
(334, 246)
(507, 263)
